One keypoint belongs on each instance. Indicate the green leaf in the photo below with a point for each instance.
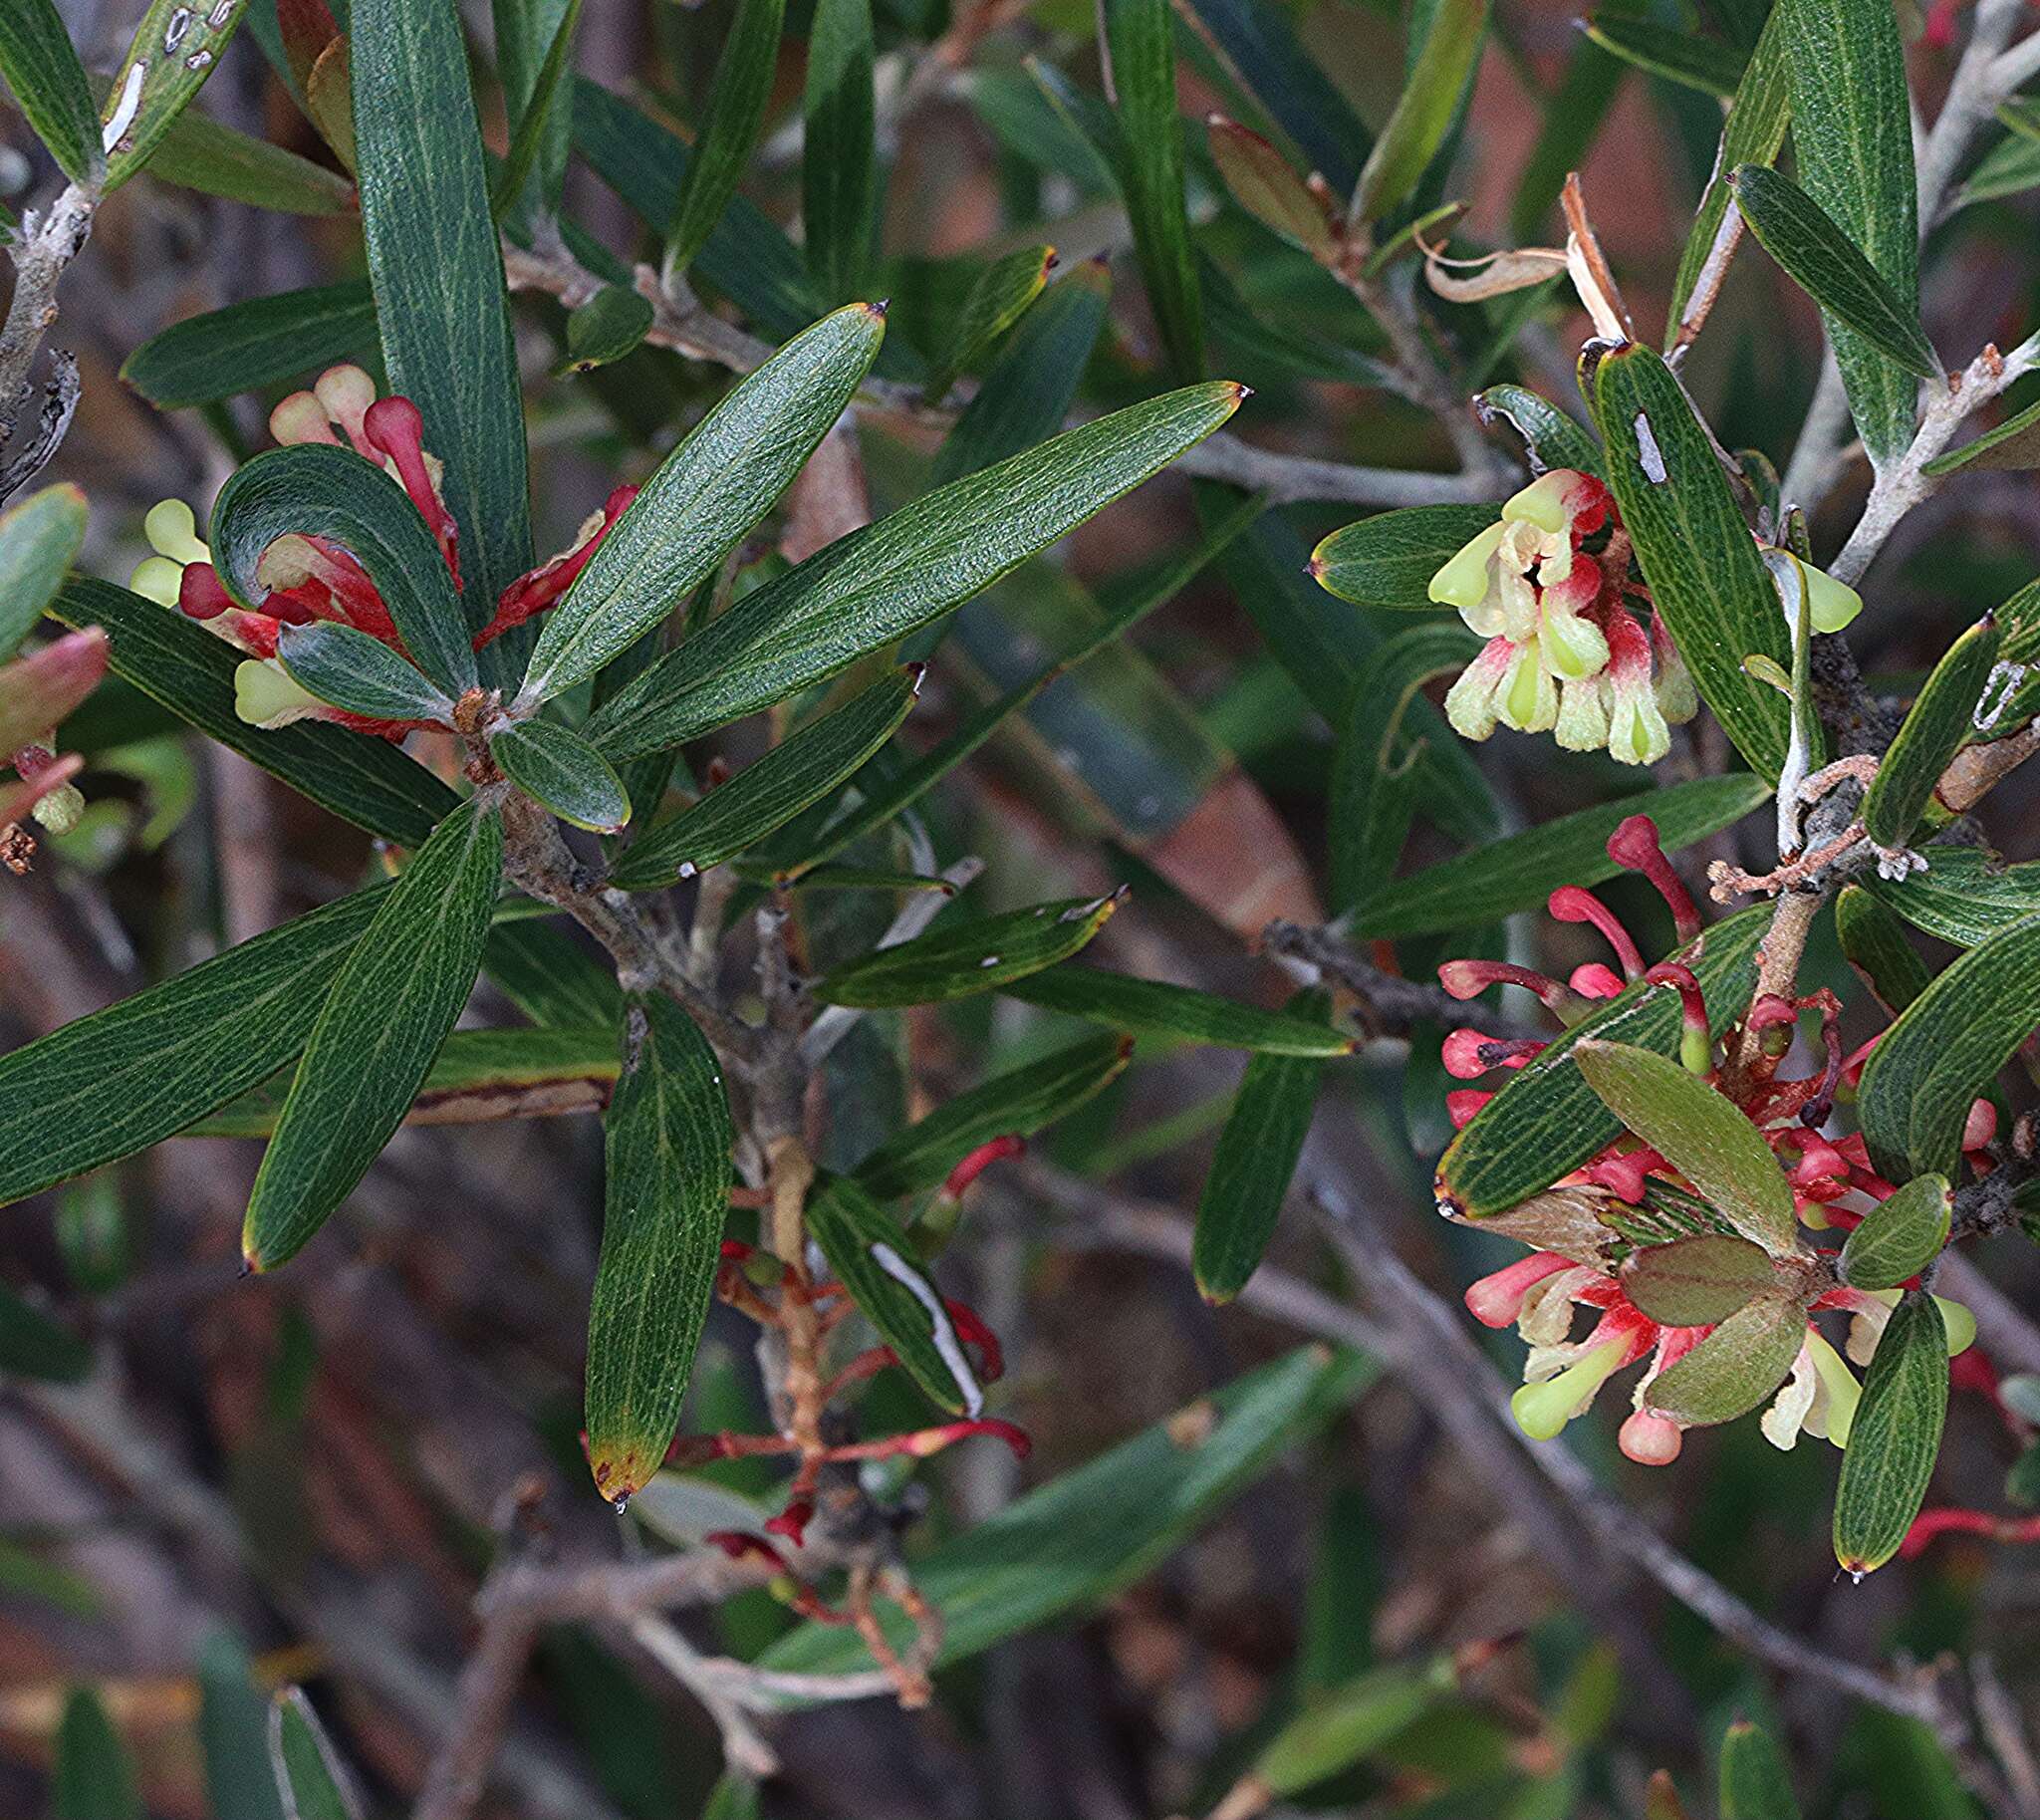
(995, 301)
(1550, 437)
(1704, 1133)
(1153, 1007)
(1075, 1541)
(1520, 870)
(1018, 1103)
(839, 156)
(1826, 264)
(248, 346)
(1548, 1120)
(233, 1733)
(388, 1010)
(39, 539)
(1900, 1236)
(1268, 188)
(1028, 390)
(610, 324)
(94, 1778)
(1736, 1366)
(666, 1157)
(1695, 1282)
(704, 497)
(1852, 138)
(1425, 109)
(1694, 62)
(1936, 728)
(1340, 1726)
(175, 49)
(1968, 896)
(321, 489)
(300, 1756)
(2014, 446)
(48, 83)
(343, 665)
(198, 153)
(564, 772)
(736, 115)
(957, 958)
(1695, 552)
(555, 981)
(540, 142)
(1756, 1781)
(1896, 1436)
(1944, 1049)
(116, 1082)
(2011, 167)
(1258, 1149)
(733, 1797)
(770, 790)
(1389, 560)
(177, 663)
(1753, 134)
(34, 1344)
(1140, 64)
(438, 272)
(1258, 47)
(1873, 943)
(871, 589)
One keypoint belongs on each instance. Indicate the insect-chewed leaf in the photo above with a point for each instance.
(308, 1771)
(564, 772)
(1153, 1007)
(995, 302)
(94, 1776)
(1736, 1366)
(770, 790)
(1389, 560)
(956, 958)
(1900, 1236)
(39, 540)
(610, 324)
(1874, 942)
(1550, 437)
(346, 666)
(388, 1010)
(261, 342)
(1701, 1132)
(709, 492)
(1695, 1282)
(871, 589)
(1967, 897)
(876, 1263)
(1345, 1724)
(48, 83)
(666, 1153)
(1933, 732)
(1019, 1101)
(1756, 1781)
(1896, 1436)
(176, 48)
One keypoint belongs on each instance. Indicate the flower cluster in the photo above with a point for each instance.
(305, 578)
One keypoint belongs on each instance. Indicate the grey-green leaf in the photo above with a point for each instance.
(250, 345)
(1896, 1436)
(1389, 560)
(343, 665)
(995, 301)
(1140, 57)
(1900, 1236)
(666, 1154)
(1736, 1366)
(959, 957)
(1695, 1282)
(1684, 57)
(198, 153)
(839, 154)
(233, 1733)
(736, 114)
(1967, 895)
(1153, 1007)
(94, 1776)
(1936, 727)
(48, 82)
(39, 538)
(1874, 942)
(564, 772)
(309, 1776)
(388, 1010)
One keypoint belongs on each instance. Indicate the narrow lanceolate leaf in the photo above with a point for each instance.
(93, 1779)
(177, 663)
(666, 1156)
(564, 772)
(1550, 437)
(1016, 1104)
(1695, 1282)
(1389, 560)
(1079, 1538)
(994, 302)
(1944, 1049)
(736, 114)
(2014, 446)
(610, 324)
(868, 590)
(116, 1082)
(1704, 1134)
(1896, 1437)
(1341, 1726)
(343, 665)
(1693, 547)
(734, 1797)
(1827, 265)
(321, 489)
(1900, 1236)
(246, 346)
(1851, 142)
(2010, 168)
(200, 154)
(874, 1260)
(1258, 1151)
(1873, 943)
(555, 981)
(49, 85)
(1686, 58)
(308, 1771)
(1139, 58)
(839, 154)
(977, 954)
(1153, 1007)
(1269, 187)
(176, 48)
(438, 274)
(1259, 49)
(233, 1733)
(35, 1344)
(390, 1009)
(770, 790)
(541, 139)
(1968, 896)
(1755, 1781)
(1937, 726)
(1548, 1120)
(1737, 1367)
(1519, 872)
(39, 540)
(706, 495)
(1423, 113)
